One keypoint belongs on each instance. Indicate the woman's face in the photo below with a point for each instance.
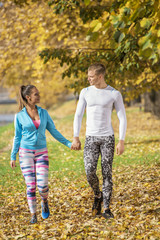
(34, 96)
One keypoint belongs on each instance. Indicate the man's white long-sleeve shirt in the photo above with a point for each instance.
(99, 106)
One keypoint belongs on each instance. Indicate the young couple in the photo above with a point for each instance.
(30, 141)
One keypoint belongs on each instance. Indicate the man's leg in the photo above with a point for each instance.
(91, 155)
(107, 154)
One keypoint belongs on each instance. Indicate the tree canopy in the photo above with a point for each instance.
(25, 31)
(126, 38)
(70, 35)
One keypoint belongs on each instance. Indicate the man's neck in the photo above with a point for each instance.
(101, 85)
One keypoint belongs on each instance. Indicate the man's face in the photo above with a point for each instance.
(93, 78)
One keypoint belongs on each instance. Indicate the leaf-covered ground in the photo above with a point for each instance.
(135, 200)
(135, 204)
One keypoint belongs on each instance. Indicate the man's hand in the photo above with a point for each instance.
(13, 164)
(76, 144)
(120, 147)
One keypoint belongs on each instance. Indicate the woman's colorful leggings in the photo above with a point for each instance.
(34, 165)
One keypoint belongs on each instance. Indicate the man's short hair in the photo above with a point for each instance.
(98, 67)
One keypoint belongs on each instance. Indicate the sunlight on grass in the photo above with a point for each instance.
(135, 184)
(140, 146)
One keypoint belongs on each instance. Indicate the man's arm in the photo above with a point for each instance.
(120, 147)
(120, 109)
(76, 144)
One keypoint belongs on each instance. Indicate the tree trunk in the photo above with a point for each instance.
(152, 102)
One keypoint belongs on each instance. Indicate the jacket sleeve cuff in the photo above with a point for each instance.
(13, 157)
(69, 144)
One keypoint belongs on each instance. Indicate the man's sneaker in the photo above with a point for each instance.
(96, 209)
(107, 214)
(34, 219)
(45, 209)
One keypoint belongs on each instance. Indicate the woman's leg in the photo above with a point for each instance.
(26, 158)
(42, 167)
(42, 164)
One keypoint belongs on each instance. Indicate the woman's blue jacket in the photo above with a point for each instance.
(28, 137)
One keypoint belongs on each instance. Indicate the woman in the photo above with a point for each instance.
(30, 125)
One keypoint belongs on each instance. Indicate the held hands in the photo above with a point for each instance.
(13, 164)
(120, 147)
(76, 144)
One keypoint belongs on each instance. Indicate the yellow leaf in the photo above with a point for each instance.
(158, 33)
(139, 81)
(97, 27)
(145, 23)
(30, 237)
(94, 23)
(139, 237)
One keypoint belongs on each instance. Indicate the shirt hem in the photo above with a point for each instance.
(100, 135)
(33, 147)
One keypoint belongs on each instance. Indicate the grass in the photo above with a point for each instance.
(142, 144)
(135, 197)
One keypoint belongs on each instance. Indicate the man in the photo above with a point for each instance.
(98, 99)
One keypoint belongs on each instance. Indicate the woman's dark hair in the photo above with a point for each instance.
(23, 92)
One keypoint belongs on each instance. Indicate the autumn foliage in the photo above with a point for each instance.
(70, 35)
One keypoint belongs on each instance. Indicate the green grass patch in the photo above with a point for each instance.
(6, 132)
(66, 164)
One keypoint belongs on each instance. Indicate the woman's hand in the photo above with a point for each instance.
(13, 164)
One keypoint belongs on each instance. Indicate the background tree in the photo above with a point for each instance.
(126, 38)
(26, 30)
(124, 35)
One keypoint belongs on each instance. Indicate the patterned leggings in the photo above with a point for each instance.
(94, 146)
(34, 165)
